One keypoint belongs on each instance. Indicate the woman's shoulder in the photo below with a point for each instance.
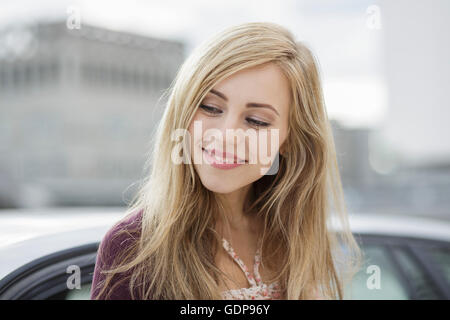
(117, 239)
(124, 231)
(121, 235)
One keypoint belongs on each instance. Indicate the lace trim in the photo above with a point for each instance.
(258, 290)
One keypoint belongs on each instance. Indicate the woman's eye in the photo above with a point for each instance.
(257, 123)
(216, 111)
(210, 109)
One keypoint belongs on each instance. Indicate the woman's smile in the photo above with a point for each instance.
(222, 160)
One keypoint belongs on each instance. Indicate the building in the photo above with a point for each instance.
(77, 111)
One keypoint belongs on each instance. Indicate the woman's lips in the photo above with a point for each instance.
(226, 161)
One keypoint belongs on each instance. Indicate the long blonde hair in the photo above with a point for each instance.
(174, 256)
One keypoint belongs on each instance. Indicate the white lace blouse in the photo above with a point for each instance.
(258, 290)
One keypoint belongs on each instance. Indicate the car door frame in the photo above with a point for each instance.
(410, 245)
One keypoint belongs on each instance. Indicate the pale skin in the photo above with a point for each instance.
(264, 84)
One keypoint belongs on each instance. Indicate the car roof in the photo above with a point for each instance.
(22, 224)
(421, 227)
(26, 234)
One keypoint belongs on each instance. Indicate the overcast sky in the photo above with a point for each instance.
(348, 51)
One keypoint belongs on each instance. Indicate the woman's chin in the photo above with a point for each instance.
(219, 186)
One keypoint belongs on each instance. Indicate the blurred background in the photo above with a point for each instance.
(82, 86)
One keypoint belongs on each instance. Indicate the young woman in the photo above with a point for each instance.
(232, 226)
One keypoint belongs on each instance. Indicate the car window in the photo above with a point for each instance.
(421, 285)
(377, 266)
(441, 257)
(84, 293)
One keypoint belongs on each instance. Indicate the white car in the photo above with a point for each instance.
(41, 250)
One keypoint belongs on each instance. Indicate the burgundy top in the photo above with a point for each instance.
(110, 245)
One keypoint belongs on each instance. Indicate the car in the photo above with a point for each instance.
(38, 246)
(405, 257)
(411, 254)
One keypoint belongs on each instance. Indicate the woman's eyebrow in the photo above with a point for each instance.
(249, 105)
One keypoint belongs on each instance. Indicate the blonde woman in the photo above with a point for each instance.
(214, 221)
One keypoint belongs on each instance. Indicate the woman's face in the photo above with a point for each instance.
(238, 109)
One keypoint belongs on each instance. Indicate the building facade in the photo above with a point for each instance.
(78, 108)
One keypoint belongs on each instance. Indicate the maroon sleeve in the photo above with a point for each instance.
(110, 245)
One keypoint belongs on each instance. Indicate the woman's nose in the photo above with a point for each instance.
(230, 122)
(232, 131)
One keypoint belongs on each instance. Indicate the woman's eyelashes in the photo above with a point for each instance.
(216, 111)
(210, 109)
(257, 123)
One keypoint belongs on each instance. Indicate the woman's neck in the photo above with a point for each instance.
(233, 204)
